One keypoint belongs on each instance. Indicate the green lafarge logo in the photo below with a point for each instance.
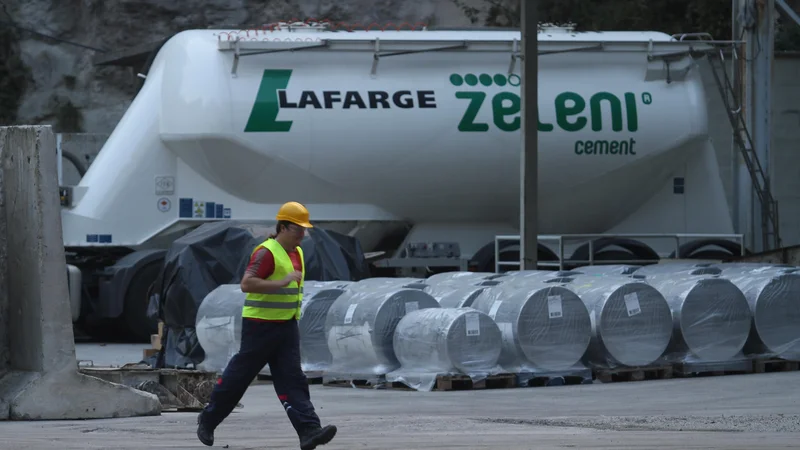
(264, 116)
(569, 109)
(272, 98)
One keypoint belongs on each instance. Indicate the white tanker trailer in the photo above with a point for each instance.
(380, 132)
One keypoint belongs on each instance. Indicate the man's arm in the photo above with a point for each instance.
(261, 265)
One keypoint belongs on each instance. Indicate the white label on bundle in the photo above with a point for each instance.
(632, 303)
(411, 307)
(495, 307)
(348, 317)
(473, 324)
(554, 306)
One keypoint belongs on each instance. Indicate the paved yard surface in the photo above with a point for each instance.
(731, 412)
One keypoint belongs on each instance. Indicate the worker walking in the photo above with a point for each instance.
(273, 283)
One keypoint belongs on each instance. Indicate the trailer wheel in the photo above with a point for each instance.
(483, 259)
(136, 301)
(613, 249)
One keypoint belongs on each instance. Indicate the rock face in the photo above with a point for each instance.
(66, 90)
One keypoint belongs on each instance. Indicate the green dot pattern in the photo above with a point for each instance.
(484, 79)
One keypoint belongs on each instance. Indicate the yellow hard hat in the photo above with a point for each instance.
(294, 212)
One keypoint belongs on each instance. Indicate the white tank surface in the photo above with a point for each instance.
(219, 326)
(217, 116)
(360, 328)
(545, 328)
(712, 318)
(447, 341)
(631, 320)
(318, 297)
(774, 299)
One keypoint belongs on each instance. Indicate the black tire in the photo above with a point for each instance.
(136, 301)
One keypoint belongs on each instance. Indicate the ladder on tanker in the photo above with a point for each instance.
(770, 223)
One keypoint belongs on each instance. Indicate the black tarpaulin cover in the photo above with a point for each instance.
(217, 253)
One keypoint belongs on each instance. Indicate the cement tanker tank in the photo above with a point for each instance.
(313, 118)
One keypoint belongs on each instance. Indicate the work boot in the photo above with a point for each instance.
(204, 433)
(314, 436)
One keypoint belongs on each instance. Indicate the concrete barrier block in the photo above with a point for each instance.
(39, 378)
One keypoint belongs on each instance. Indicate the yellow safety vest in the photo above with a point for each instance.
(285, 303)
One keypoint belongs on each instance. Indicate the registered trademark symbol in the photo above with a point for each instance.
(647, 98)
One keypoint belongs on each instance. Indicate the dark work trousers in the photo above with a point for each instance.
(276, 344)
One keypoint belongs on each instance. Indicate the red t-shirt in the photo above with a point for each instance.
(262, 264)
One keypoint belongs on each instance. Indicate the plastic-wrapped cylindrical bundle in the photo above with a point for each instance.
(682, 269)
(378, 283)
(459, 277)
(711, 317)
(462, 297)
(314, 352)
(219, 326)
(774, 300)
(360, 328)
(537, 274)
(439, 340)
(631, 320)
(545, 327)
(610, 269)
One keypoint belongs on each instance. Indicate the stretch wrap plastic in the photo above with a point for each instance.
(545, 328)
(711, 317)
(437, 341)
(631, 320)
(360, 328)
(318, 297)
(774, 300)
(219, 326)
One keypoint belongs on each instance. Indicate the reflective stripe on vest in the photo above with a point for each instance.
(284, 303)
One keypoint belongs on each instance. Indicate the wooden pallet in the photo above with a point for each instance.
(314, 377)
(156, 341)
(775, 365)
(712, 369)
(443, 383)
(664, 372)
(552, 380)
(463, 382)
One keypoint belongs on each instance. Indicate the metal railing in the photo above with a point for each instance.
(590, 240)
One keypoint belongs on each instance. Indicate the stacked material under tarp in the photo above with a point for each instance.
(437, 341)
(219, 326)
(631, 320)
(360, 329)
(545, 328)
(318, 297)
(711, 316)
(773, 293)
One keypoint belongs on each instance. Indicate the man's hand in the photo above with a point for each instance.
(294, 276)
